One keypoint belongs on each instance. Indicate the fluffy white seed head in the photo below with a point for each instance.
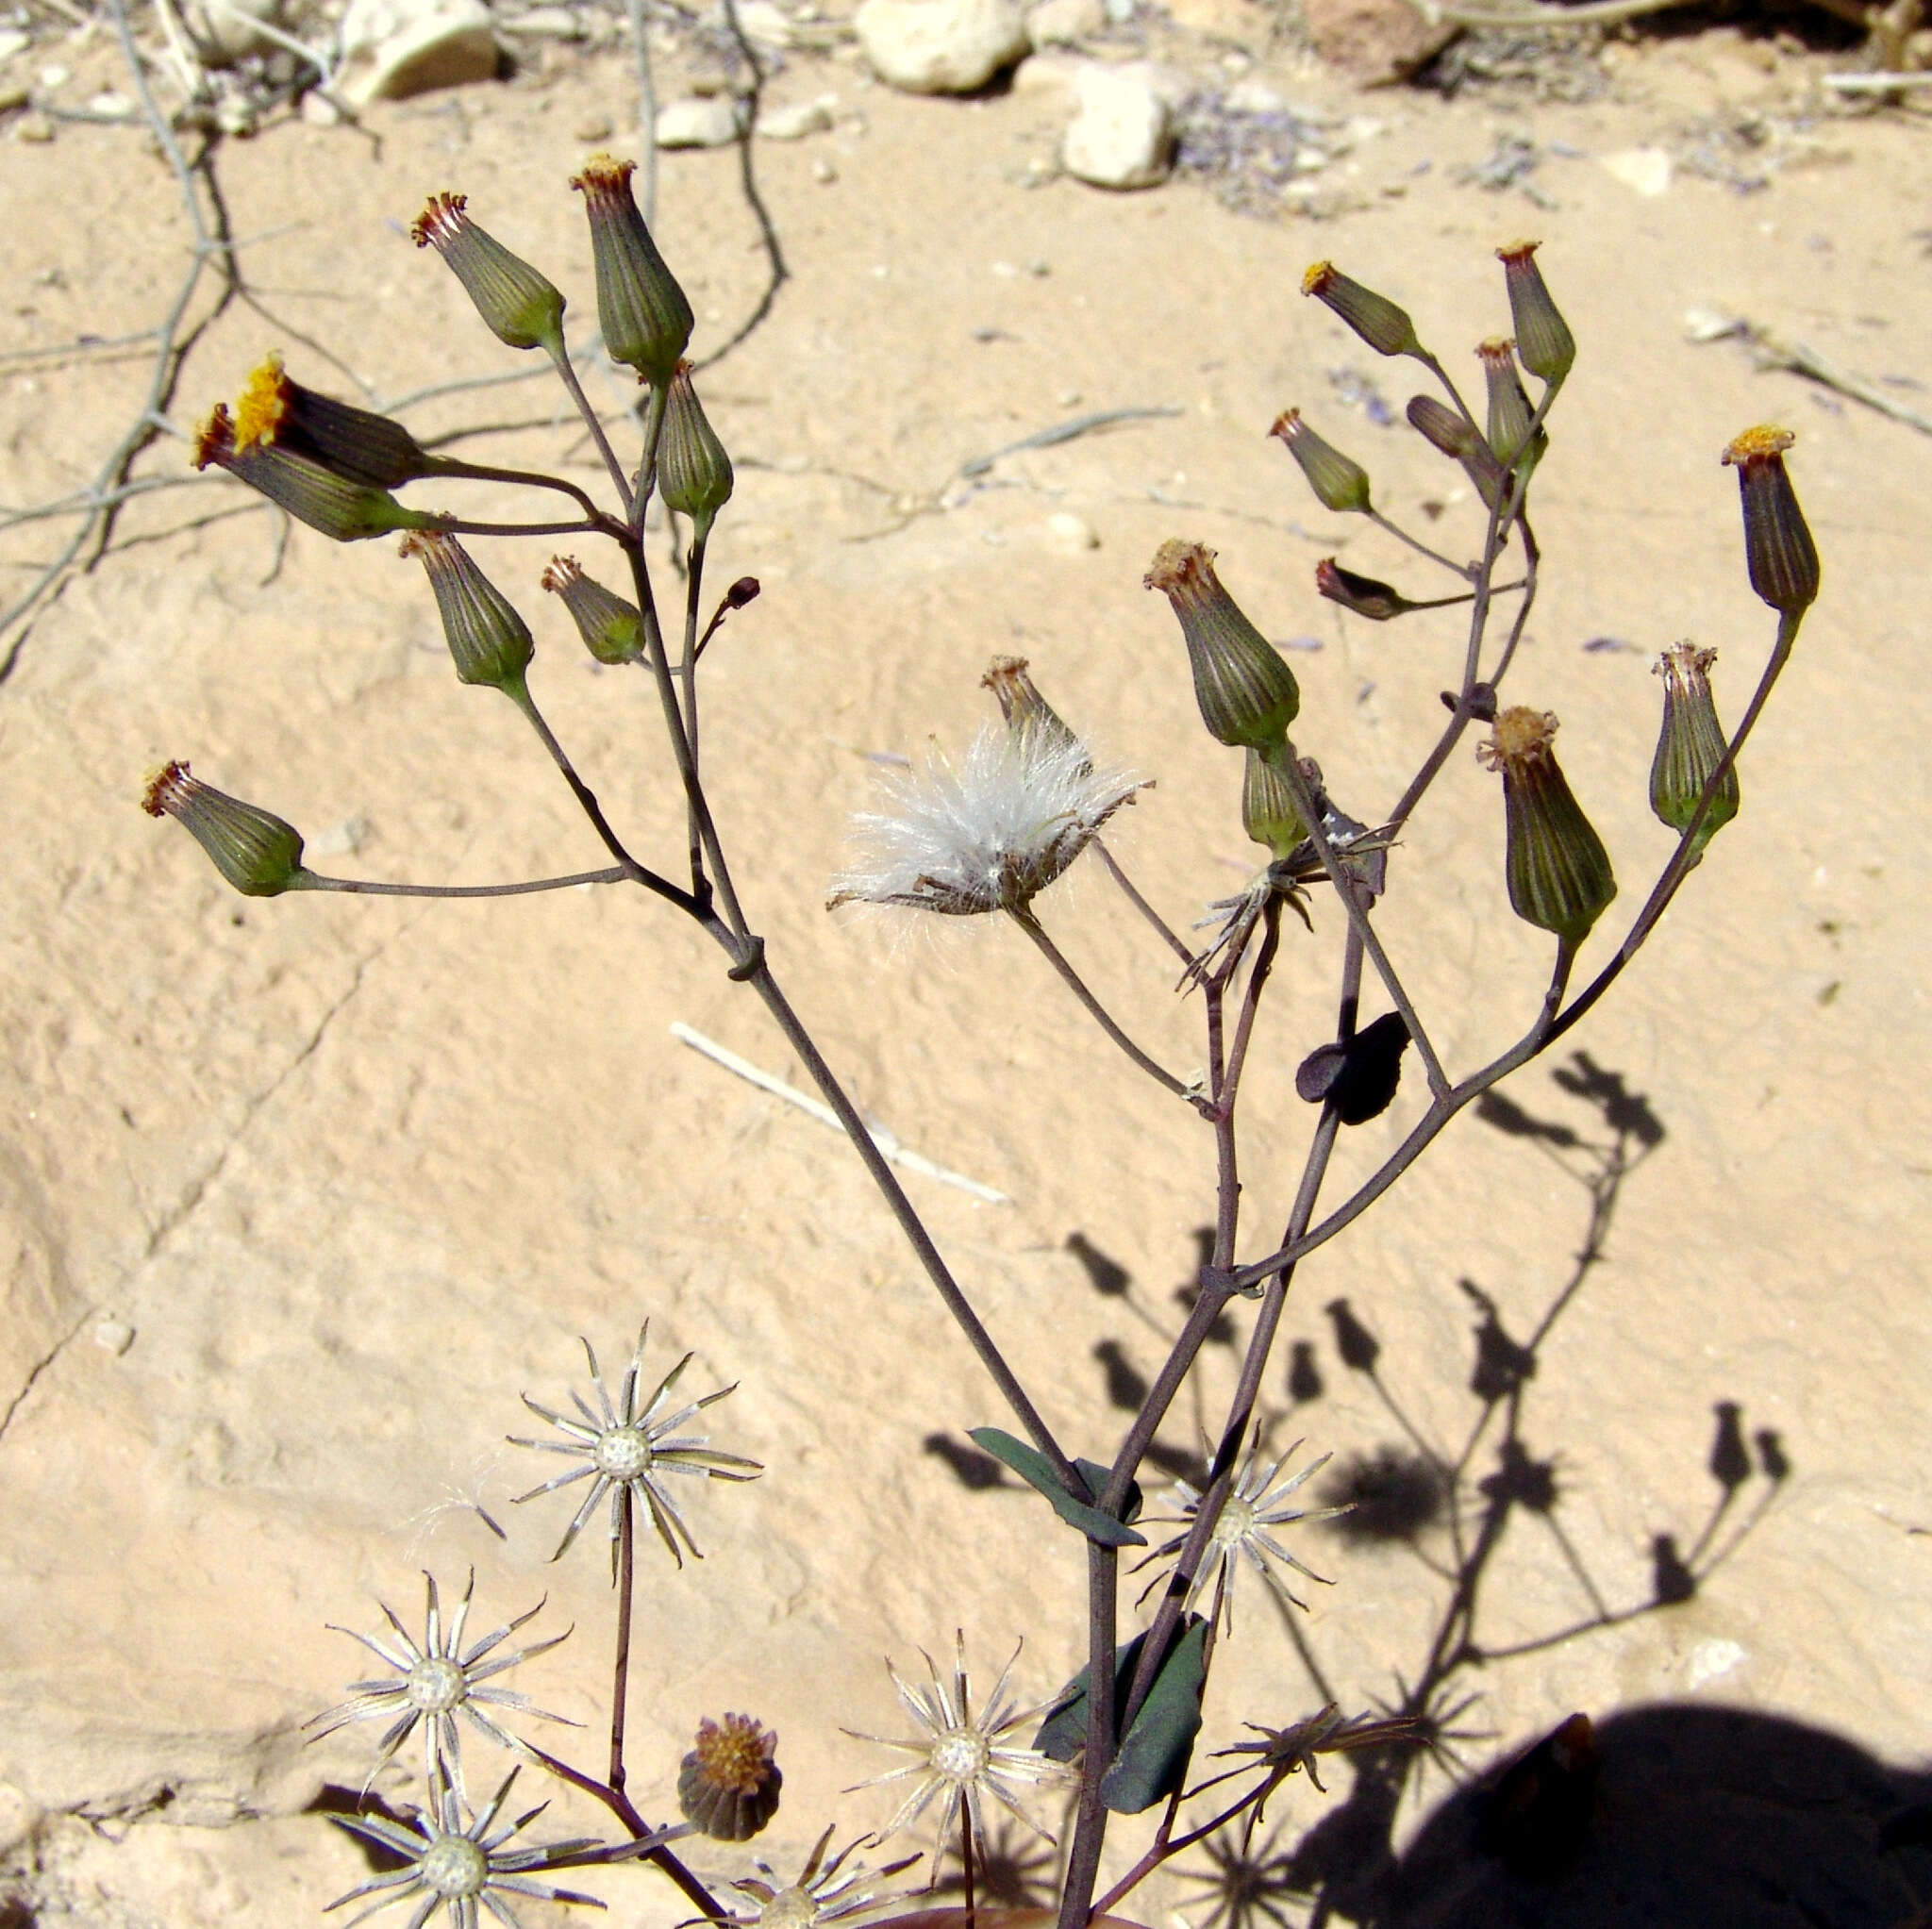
(987, 834)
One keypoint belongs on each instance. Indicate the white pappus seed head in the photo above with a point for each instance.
(986, 834)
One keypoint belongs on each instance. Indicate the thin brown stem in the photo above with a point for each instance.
(620, 1672)
(1466, 570)
(530, 478)
(559, 355)
(1305, 803)
(595, 524)
(365, 886)
(1023, 917)
(1174, 942)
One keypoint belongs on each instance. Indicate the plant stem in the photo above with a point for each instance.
(1343, 882)
(1090, 1827)
(531, 478)
(568, 376)
(1177, 944)
(759, 976)
(1466, 570)
(1030, 924)
(620, 1673)
(365, 886)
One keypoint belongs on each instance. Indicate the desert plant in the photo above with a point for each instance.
(990, 831)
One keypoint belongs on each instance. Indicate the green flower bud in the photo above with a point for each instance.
(728, 1784)
(1385, 327)
(489, 641)
(1690, 747)
(344, 510)
(1267, 812)
(1558, 871)
(612, 629)
(1020, 704)
(519, 306)
(258, 853)
(1247, 694)
(1778, 550)
(1339, 483)
(1510, 414)
(1377, 601)
(355, 443)
(645, 317)
(693, 472)
(1543, 339)
(1441, 426)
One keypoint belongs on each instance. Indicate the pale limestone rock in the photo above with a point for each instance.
(1070, 533)
(395, 48)
(1642, 169)
(795, 122)
(697, 123)
(1119, 136)
(1064, 23)
(939, 46)
(1374, 42)
(764, 23)
(225, 31)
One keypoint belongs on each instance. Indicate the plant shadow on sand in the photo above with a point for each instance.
(1660, 1816)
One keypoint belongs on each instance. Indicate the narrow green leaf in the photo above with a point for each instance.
(1037, 1471)
(1153, 1761)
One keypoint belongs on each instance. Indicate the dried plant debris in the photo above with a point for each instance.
(1260, 155)
(1552, 64)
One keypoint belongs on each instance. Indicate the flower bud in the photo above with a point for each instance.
(344, 510)
(1778, 550)
(1558, 870)
(693, 471)
(1510, 414)
(1441, 426)
(1385, 327)
(1025, 711)
(728, 1786)
(1377, 601)
(1690, 746)
(519, 307)
(1267, 812)
(258, 853)
(1544, 340)
(1338, 482)
(355, 443)
(612, 629)
(1247, 694)
(645, 318)
(490, 642)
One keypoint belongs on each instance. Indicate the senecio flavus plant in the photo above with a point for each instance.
(989, 830)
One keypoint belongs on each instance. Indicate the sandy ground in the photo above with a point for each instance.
(356, 1174)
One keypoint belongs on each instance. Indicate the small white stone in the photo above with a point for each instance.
(1712, 1659)
(762, 22)
(1119, 136)
(340, 839)
(1643, 170)
(1064, 23)
(1253, 97)
(824, 172)
(697, 123)
(939, 46)
(1071, 532)
(52, 76)
(397, 48)
(13, 42)
(795, 122)
(113, 1334)
(320, 112)
(117, 105)
(593, 128)
(548, 23)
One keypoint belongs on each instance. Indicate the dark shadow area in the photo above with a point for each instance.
(1537, 1840)
(976, 1471)
(1392, 1494)
(1107, 1276)
(1013, 1869)
(1680, 1816)
(15, 1914)
(332, 1799)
